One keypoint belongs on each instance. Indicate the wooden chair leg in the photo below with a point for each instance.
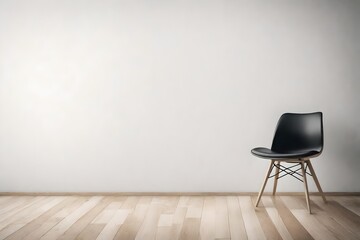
(276, 177)
(312, 171)
(264, 184)
(306, 186)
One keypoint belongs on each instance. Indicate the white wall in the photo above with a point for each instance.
(172, 95)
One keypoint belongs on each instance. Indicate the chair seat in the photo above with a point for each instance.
(270, 154)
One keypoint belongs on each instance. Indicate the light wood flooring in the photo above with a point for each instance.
(172, 217)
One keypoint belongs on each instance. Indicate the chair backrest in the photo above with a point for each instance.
(298, 132)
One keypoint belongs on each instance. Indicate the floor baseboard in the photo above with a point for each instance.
(171, 193)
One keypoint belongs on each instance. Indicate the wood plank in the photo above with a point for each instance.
(351, 203)
(167, 228)
(37, 210)
(313, 226)
(195, 205)
(113, 225)
(132, 224)
(191, 225)
(91, 232)
(66, 223)
(105, 216)
(190, 229)
(337, 229)
(28, 216)
(53, 219)
(207, 224)
(236, 221)
(171, 204)
(222, 227)
(24, 211)
(36, 223)
(164, 233)
(5, 200)
(294, 227)
(85, 220)
(149, 226)
(166, 220)
(275, 218)
(267, 225)
(8, 213)
(343, 216)
(130, 203)
(251, 222)
(14, 204)
(309, 221)
(179, 217)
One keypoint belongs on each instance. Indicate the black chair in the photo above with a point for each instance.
(298, 137)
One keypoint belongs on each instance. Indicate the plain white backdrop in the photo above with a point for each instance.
(172, 95)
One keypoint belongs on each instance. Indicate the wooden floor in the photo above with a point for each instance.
(171, 218)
